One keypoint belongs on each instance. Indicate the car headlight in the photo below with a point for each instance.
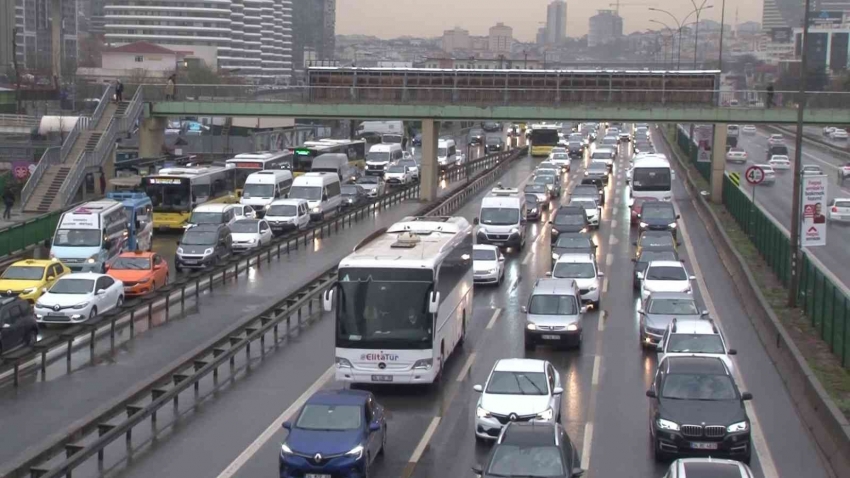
(180, 250)
(356, 452)
(515, 230)
(423, 364)
(492, 271)
(555, 256)
(644, 225)
(91, 259)
(81, 305)
(586, 173)
(267, 207)
(145, 280)
(284, 448)
(252, 240)
(481, 413)
(738, 427)
(572, 327)
(28, 291)
(591, 288)
(672, 225)
(583, 230)
(40, 305)
(531, 326)
(639, 275)
(667, 425)
(208, 251)
(545, 415)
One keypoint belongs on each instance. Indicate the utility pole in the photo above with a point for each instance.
(798, 164)
(722, 20)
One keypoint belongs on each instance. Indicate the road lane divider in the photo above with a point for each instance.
(466, 366)
(493, 319)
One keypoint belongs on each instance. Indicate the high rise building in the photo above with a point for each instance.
(7, 35)
(33, 20)
(501, 38)
(455, 39)
(314, 30)
(604, 27)
(556, 22)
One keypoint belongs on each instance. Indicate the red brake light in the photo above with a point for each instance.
(834, 209)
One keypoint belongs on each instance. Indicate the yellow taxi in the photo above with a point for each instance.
(28, 278)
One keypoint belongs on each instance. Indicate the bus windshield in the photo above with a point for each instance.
(370, 316)
(544, 137)
(651, 179)
(169, 197)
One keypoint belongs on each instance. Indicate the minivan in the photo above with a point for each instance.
(201, 246)
(554, 314)
(263, 187)
(321, 190)
(380, 156)
(212, 214)
(502, 218)
(285, 215)
(446, 153)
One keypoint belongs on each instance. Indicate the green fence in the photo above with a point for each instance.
(692, 150)
(22, 235)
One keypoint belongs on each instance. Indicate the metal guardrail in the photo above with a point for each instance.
(18, 120)
(298, 309)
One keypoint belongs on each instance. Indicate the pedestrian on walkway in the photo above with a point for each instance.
(170, 87)
(102, 181)
(8, 201)
(119, 91)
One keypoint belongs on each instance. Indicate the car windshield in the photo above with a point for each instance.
(695, 343)
(544, 179)
(348, 190)
(77, 238)
(245, 226)
(553, 305)
(665, 240)
(517, 383)
(258, 191)
(531, 461)
(535, 188)
(483, 255)
(72, 286)
(585, 203)
(396, 169)
(597, 167)
(666, 273)
(568, 219)
(682, 386)
(575, 144)
(673, 307)
(494, 140)
(23, 273)
(736, 150)
(658, 212)
(206, 218)
(329, 417)
(476, 132)
(378, 157)
(602, 155)
(609, 140)
(573, 242)
(198, 238)
(574, 270)
(499, 216)
(590, 191)
(649, 256)
(131, 264)
(531, 199)
(367, 180)
(560, 156)
(285, 210)
(310, 193)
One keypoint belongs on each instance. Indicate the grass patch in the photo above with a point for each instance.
(826, 366)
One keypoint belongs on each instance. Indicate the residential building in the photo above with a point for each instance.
(314, 30)
(133, 63)
(604, 27)
(827, 50)
(32, 19)
(540, 38)
(455, 39)
(501, 38)
(7, 35)
(556, 22)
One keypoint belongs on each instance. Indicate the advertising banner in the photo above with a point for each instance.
(813, 229)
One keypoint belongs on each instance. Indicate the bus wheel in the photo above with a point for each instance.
(439, 378)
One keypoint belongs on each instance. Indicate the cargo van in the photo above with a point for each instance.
(263, 187)
(446, 153)
(380, 156)
(320, 190)
(335, 163)
(90, 237)
(502, 218)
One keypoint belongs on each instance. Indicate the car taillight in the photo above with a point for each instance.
(834, 209)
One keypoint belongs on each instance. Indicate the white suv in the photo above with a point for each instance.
(665, 276)
(581, 268)
(517, 390)
(695, 337)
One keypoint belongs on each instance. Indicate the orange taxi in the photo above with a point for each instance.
(141, 272)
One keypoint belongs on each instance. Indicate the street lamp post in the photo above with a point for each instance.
(681, 26)
(672, 40)
(722, 21)
(698, 10)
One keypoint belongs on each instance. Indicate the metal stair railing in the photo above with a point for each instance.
(50, 157)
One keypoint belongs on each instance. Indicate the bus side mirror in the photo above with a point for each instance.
(434, 302)
(328, 300)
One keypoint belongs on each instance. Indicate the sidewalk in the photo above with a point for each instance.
(18, 216)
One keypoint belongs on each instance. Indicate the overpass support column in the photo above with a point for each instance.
(152, 137)
(718, 162)
(430, 173)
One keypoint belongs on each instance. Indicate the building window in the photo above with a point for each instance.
(140, 59)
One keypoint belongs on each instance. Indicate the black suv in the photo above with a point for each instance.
(658, 216)
(494, 144)
(589, 190)
(532, 449)
(203, 246)
(476, 137)
(696, 409)
(569, 219)
(17, 323)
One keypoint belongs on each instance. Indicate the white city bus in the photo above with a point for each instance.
(651, 177)
(403, 301)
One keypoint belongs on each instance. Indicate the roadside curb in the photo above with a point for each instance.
(828, 426)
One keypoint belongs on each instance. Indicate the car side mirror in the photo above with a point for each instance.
(106, 267)
(501, 258)
(50, 278)
(678, 216)
(584, 309)
(7, 326)
(178, 243)
(434, 302)
(328, 300)
(478, 388)
(477, 469)
(101, 292)
(704, 313)
(576, 473)
(600, 274)
(557, 391)
(287, 425)
(634, 260)
(659, 348)
(651, 394)
(732, 352)
(524, 309)
(746, 396)
(549, 274)
(374, 427)
(641, 311)
(692, 277)
(475, 221)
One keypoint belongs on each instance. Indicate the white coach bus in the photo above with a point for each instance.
(403, 301)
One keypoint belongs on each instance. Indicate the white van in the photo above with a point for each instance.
(263, 187)
(285, 215)
(335, 163)
(446, 153)
(91, 236)
(380, 156)
(501, 221)
(321, 190)
(212, 214)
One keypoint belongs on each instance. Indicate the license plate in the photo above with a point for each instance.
(316, 475)
(704, 446)
(551, 337)
(382, 378)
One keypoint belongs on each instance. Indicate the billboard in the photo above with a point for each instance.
(813, 227)
(826, 19)
(781, 35)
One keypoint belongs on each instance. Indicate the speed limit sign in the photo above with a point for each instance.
(754, 175)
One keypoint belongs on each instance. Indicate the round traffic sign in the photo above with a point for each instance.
(754, 175)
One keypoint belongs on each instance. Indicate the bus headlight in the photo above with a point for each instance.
(423, 364)
(343, 362)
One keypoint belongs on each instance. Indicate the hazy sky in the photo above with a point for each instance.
(428, 18)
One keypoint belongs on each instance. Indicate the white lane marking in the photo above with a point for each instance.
(614, 211)
(420, 448)
(528, 257)
(605, 286)
(276, 425)
(602, 318)
(541, 235)
(493, 318)
(466, 367)
(609, 259)
(585, 446)
(596, 362)
(613, 223)
(759, 442)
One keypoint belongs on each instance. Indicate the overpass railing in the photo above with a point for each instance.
(488, 96)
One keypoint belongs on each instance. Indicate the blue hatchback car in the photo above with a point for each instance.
(338, 433)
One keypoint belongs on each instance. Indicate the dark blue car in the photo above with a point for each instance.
(337, 433)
